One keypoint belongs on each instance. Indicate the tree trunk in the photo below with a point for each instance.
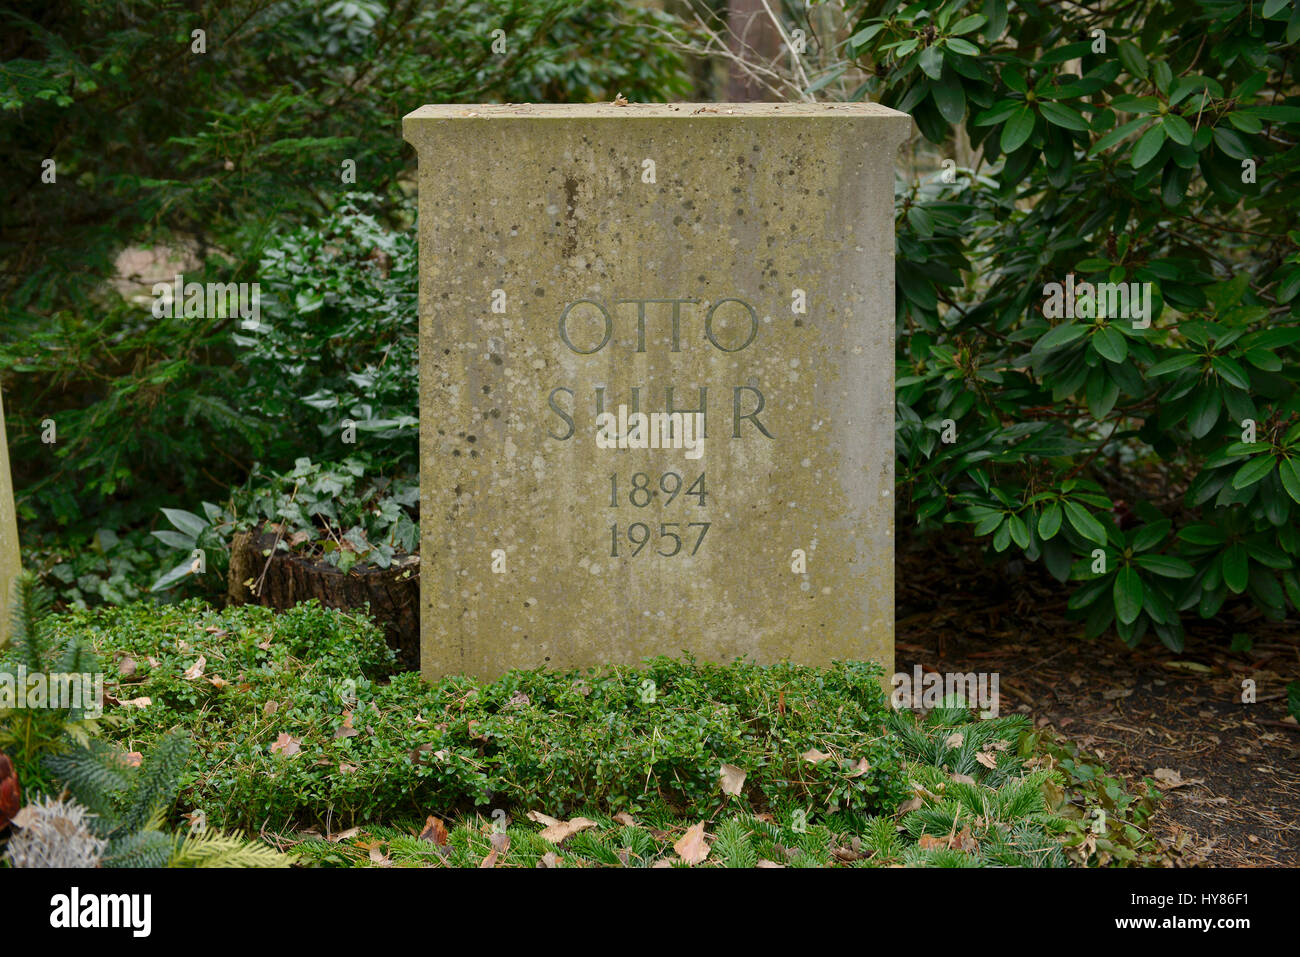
(393, 593)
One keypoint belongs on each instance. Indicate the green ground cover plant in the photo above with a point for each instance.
(299, 727)
(90, 802)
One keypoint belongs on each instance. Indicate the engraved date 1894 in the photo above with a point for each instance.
(672, 537)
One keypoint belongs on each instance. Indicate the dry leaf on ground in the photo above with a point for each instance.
(692, 848)
(733, 779)
(435, 832)
(557, 831)
(1174, 779)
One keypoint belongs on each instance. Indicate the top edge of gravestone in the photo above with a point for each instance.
(601, 111)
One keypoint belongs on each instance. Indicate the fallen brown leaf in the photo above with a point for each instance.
(733, 779)
(560, 831)
(1173, 779)
(435, 832)
(692, 847)
(345, 730)
(545, 819)
(861, 768)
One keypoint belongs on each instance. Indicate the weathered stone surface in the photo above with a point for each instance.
(10, 563)
(550, 238)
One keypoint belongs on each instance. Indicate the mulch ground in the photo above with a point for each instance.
(1230, 771)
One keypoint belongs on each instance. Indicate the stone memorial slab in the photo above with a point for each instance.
(656, 383)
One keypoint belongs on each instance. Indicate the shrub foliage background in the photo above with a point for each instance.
(1162, 153)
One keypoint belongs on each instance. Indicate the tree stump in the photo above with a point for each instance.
(393, 593)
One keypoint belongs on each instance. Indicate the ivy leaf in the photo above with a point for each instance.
(182, 570)
(175, 539)
(187, 522)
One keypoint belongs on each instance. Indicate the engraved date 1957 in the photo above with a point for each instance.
(672, 537)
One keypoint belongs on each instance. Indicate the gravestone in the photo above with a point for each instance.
(586, 272)
(10, 564)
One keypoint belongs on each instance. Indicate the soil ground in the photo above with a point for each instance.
(1230, 771)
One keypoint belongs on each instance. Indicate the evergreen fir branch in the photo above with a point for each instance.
(214, 848)
(149, 848)
(156, 782)
(95, 776)
(31, 605)
(733, 844)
